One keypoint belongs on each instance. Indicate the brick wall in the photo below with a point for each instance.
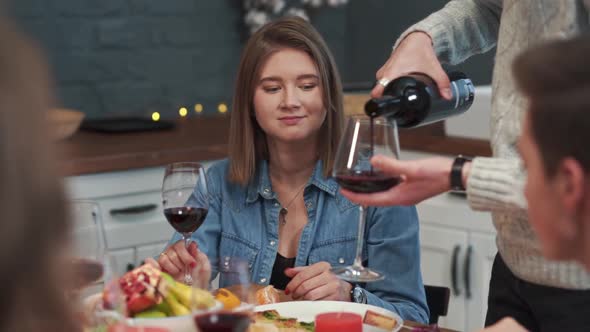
(127, 56)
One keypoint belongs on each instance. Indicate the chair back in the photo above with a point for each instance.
(437, 298)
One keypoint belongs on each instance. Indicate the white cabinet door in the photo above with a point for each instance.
(123, 258)
(482, 257)
(152, 250)
(442, 251)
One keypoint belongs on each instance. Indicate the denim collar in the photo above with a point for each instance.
(261, 185)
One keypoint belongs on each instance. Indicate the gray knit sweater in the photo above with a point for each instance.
(467, 27)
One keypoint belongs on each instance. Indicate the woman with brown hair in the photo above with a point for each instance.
(273, 202)
(31, 197)
(555, 79)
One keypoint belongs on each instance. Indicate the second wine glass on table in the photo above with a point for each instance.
(186, 200)
(362, 139)
(234, 277)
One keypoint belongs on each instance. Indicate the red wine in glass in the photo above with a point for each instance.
(366, 181)
(186, 201)
(223, 322)
(186, 219)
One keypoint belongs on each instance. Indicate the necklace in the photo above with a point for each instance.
(285, 209)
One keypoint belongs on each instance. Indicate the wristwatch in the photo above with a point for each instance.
(456, 176)
(358, 295)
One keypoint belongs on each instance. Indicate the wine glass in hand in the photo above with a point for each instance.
(362, 139)
(185, 200)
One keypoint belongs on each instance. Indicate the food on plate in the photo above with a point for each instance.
(263, 327)
(378, 320)
(267, 295)
(151, 293)
(229, 300)
(283, 324)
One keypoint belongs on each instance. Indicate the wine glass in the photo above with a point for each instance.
(186, 201)
(92, 266)
(234, 277)
(363, 138)
(88, 244)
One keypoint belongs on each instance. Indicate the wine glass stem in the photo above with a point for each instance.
(188, 278)
(358, 260)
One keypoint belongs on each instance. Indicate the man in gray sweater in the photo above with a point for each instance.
(540, 294)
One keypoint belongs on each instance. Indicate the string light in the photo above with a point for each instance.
(156, 116)
(198, 108)
(222, 108)
(183, 111)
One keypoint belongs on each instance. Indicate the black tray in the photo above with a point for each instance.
(125, 125)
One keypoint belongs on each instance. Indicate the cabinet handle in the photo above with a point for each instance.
(138, 209)
(454, 268)
(466, 272)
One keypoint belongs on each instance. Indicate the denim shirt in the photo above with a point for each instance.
(243, 222)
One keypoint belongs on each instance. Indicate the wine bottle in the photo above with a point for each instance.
(414, 100)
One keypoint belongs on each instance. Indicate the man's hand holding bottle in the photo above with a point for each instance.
(415, 54)
(422, 178)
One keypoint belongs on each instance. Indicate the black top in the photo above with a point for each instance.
(278, 278)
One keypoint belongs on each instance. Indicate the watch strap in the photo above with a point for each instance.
(456, 176)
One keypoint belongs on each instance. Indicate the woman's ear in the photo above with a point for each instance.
(571, 181)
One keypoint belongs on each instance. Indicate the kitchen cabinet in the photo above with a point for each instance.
(440, 253)
(131, 209)
(130, 205)
(146, 251)
(457, 251)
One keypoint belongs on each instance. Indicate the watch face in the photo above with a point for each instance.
(358, 295)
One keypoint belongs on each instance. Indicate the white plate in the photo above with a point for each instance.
(306, 311)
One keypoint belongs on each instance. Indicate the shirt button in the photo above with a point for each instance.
(309, 204)
(266, 190)
(272, 243)
(263, 280)
(277, 204)
(341, 260)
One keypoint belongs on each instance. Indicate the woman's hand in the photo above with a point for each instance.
(174, 259)
(422, 179)
(505, 325)
(316, 282)
(414, 54)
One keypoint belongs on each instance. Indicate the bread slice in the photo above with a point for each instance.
(262, 327)
(378, 320)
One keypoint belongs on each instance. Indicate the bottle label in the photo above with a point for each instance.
(440, 108)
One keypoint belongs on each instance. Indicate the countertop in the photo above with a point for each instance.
(205, 138)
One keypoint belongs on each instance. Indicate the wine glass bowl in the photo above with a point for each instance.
(362, 139)
(234, 276)
(88, 244)
(185, 200)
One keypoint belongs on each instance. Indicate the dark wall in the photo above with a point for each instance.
(372, 28)
(113, 57)
(126, 56)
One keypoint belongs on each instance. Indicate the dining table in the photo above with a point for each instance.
(250, 296)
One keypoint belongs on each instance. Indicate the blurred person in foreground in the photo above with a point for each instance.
(555, 79)
(520, 273)
(34, 223)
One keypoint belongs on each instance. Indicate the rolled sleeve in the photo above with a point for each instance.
(461, 29)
